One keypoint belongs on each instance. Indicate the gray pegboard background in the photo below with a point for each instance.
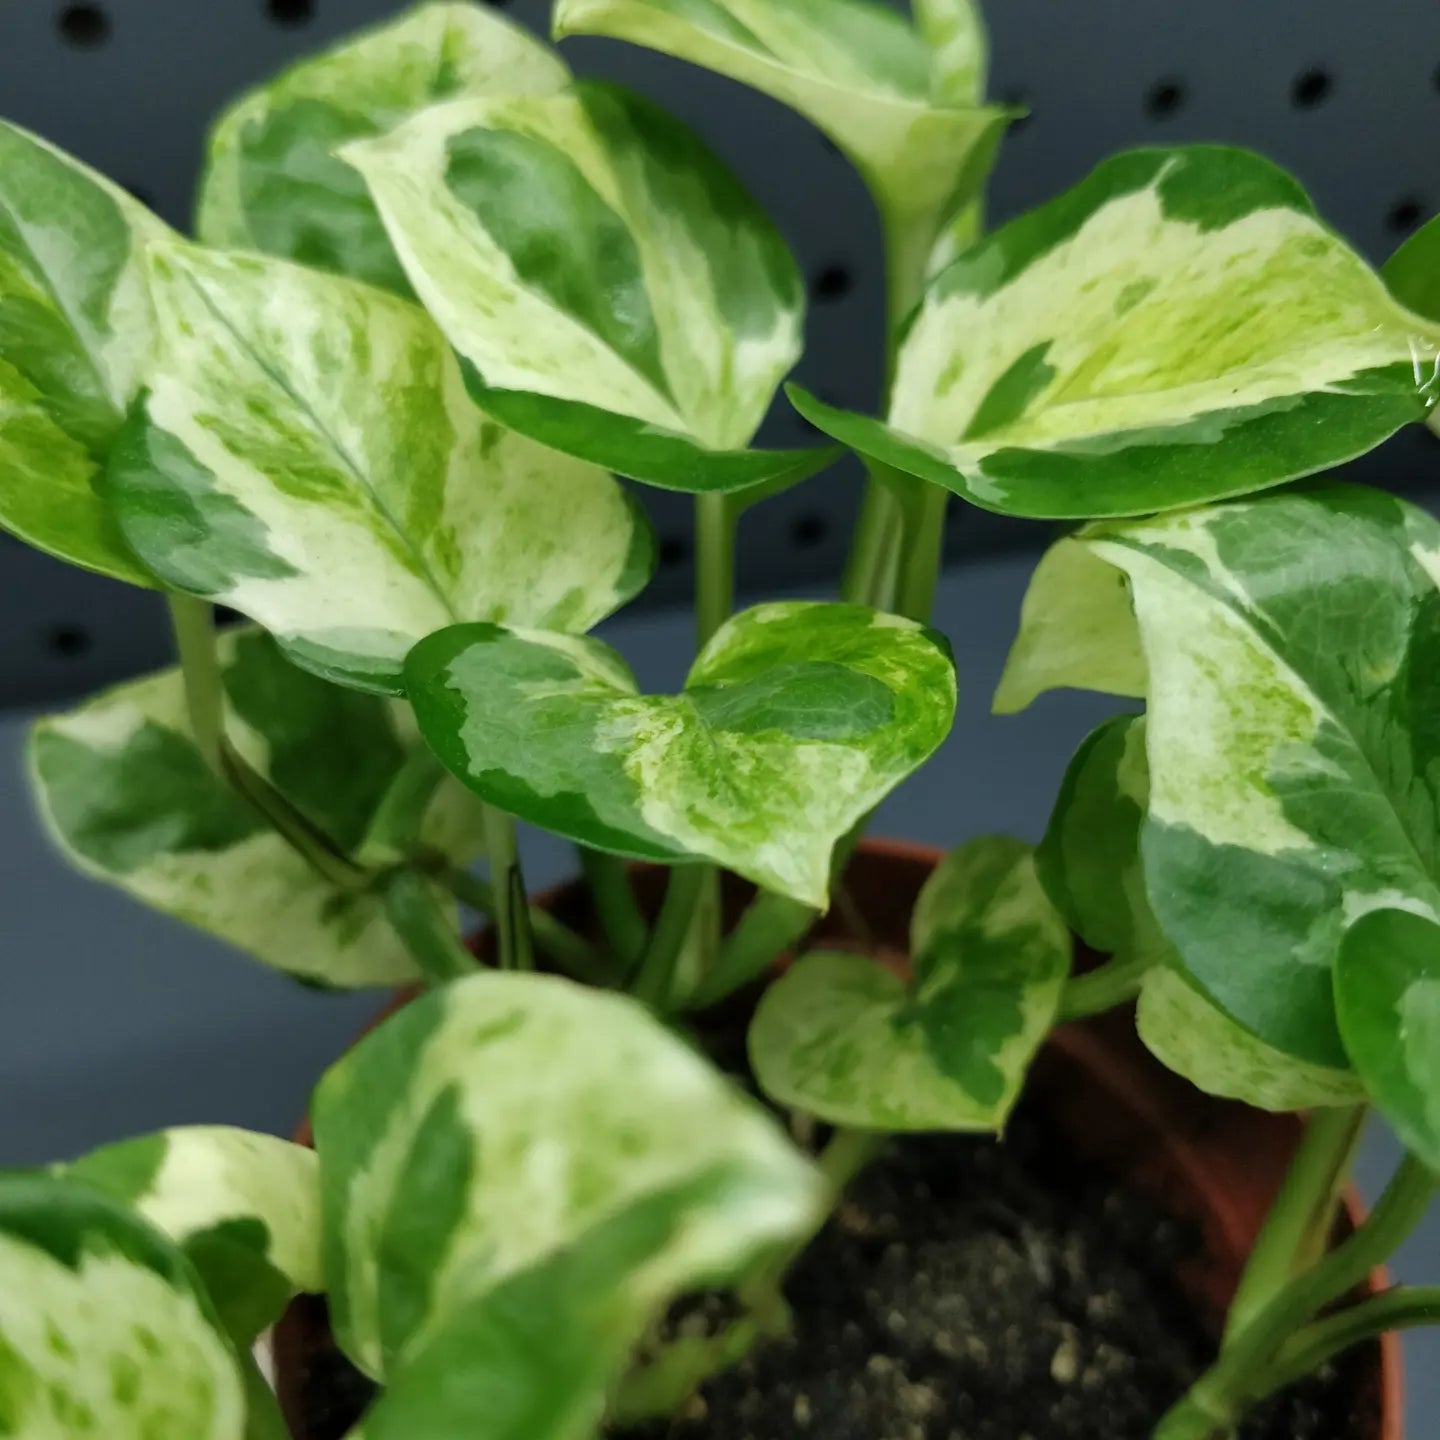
(1347, 96)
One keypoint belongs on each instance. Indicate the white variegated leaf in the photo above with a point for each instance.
(126, 794)
(244, 1208)
(795, 721)
(502, 1124)
(103, 1329)
(610, 287)
(272, 181)
(1179, 328)
(307, 455)
(76, 329)
(843, 1038)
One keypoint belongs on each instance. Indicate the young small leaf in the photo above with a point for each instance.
(126, 794)
(76, 330)
(1413, 271)
(612, 289)
(1387, 991)
(843, 1038)
(1291, 744)
(307, 455)
(103, 1327)
(1178, 328)
(796, 720)
(505, 1123)
(272, 181)
(244, 1208)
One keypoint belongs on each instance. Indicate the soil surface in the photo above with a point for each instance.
(970, 1289)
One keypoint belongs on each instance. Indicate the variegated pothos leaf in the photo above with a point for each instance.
(503, 1124)
(903, 100)
(1291, 643)
(126, 794)
(272, 180)
(843, 1038)
(1178, 328)
(243, 1207)
(103, 1328)
(76, 329)
(613, 291)
(796, 719)
(306, 454)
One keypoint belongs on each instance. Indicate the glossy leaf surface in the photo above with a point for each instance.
(796, 719)
(307, 455)
(76, 330)
(845, 1039)
(1179, 328)
(272, 181)
(126, 794)
(612, 289)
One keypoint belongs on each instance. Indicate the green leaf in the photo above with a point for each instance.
(307, 455)
(796, 720)
(1090, 864)
(843, 1038)
(1178, 328)
(76, 328)
(125, 793)
(272, 181)
(612, 289)
(903, 101)
(1413, 271)
(1292, 644)
(1077, 629)
(510, 1123)
(1387, 990)
(103, 1328)
(244, 1208)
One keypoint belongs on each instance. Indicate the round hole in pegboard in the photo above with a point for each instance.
(1404, 215)
(808, 531)
(832, 282)
(86, 27)
(290, 12)
(1311, 88)
(68, 641)
(1165, 98)
(674, 551)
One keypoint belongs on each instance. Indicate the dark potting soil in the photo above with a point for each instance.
(970, 1289)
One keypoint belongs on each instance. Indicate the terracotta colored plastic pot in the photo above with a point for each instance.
(1214, 1163)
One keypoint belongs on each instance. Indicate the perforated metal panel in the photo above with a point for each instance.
(1347, 96)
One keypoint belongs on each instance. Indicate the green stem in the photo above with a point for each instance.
(571, 952)
(512, 931)
(394, 830)
(263, 1420)
(875, 547)
(714, 565)
(672, 926)
(847, 1154)
(1213, 1404)
(920, 563)
(1297, 1230)
(194, 629)
(1404, 1307)
(426, 931)
(1103, 988)
(770, 925)
(616, 907)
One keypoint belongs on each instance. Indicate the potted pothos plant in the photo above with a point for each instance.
(686, 1146)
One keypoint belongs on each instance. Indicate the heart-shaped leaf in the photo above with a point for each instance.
(1387, 990)
(125, 792)
(503, 1124)
(612, 289)
(76, 329)
(1291, 644)
(902, 100)
(307, 455)
(1413, 271)
(272, 181)
(1178, 328)
(244, 1208)
(796, 720)
(843, 1038)
(103, 1327)
(1089, 862)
